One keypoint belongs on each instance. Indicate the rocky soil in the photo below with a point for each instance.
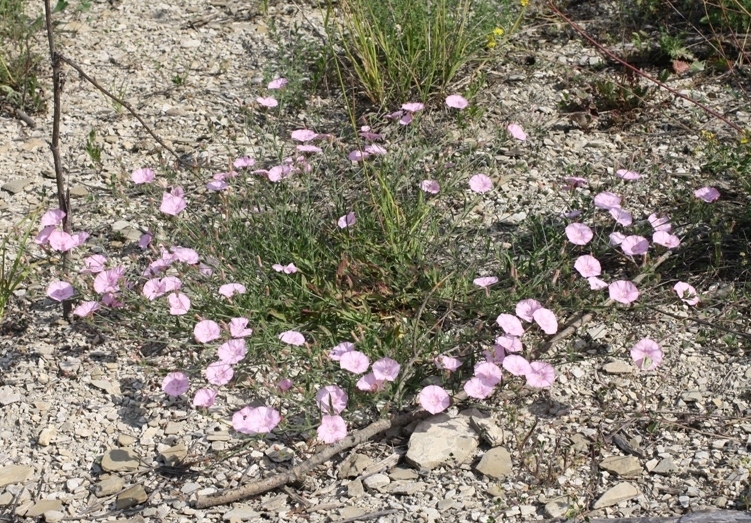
(87, 435)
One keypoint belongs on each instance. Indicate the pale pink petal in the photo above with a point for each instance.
(541, 375)
(43, 237)
(607, 200)
(284, 385)
(447, 363)
(86, 309)
(52, 218)
(171, 283)
(596, 283)
(94, 264)
(172, 205)
(659, 223)
(621, 217)
(575, 181)
(217, 185)
(525, 309)
(143, 175)
(238, 328)
(406, 119)
(232, 351)
(354, 361)
(517, 132)
(670, 241)
(61, 241)
(204, 398)
(627, 175)
(579, 233)
(430, 186)
(332, 429)
(516, 365)
(206, 331)
(686, 293)
(292, 338)
(358, 156)
(267, 101)
(337, 352)
(646, 354)
(616, 238)
(509, 343)
(348, 220)
(331, 399)
(547, 321)
(478, 388)
(243, 162)
(480, 183)
(375, 149)
(510, 324)
(488, 372)
(304, 135)
(179, 304)
(219, 373)
(369, 383)
(623, 291)
(259, 420)
(175, 383)
(707, 194)
(588, 266)
(145, 240)
(230, 289)
(635, 245)
(485, 281)
(413, 107)
(386, 369)
(277, 83)
(434, 399)
(456, 101)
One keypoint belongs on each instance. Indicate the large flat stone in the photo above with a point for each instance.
(620, 492)
(442, 439)
(495, 463)
(14, 474)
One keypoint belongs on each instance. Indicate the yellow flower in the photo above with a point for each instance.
(524, 3)
(746, 136)
(491, 43)
(498, 31)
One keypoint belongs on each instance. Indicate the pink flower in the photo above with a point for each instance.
(369, 383)
(267, 101)
(686, 293)
(659, 223)
(233, 351)
(478, 388)
(575, 181)
(375, 149)
(646, 354)
(358, 156)
(93, 264)
(456, 101)
(284, 385)
(260, 420)
(485, 281)
(517, 132)
(86, 308)
(547, 321)
(627, 175)
(430, 186)
(707, 194)
(109, 280)
(480, 183)
(616, 238)
(386, 369)
(596, 283)
(413, 107)
(230, 289)
(635, 245)
(43, 237)
(206, 331)
(331, 399)
(337, 352)
(348, 220)
(525, 309)
(52, 218)
(292, 338)
(621, 217)
(332, 429)
(204, 398)
(607, 201)
(447, 363)
(434, 399)
(143, 175)
(579, 233)
(243, 162)
(111, 300)
(509, 343)
(406, 119)
(217, 185)
(510, 324)
(488, 372)
(277, 83)
(173, 202)
(175, 383)
(219, 373)
(61, 241)
(286, 269)
(588, 266)
(354, 361)
(671, 241)
(623, 291)
(304, 135)
(179, 304)
(541, 375)
(516, 365)
(238, 328)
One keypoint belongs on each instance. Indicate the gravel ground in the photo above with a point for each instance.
(86, 434)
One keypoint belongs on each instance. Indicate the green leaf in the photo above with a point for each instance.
(60, 6)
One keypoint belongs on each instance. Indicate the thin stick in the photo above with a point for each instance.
(298, 472)
(63, 197)
(124, 104)
(644, 75)
(372, 515)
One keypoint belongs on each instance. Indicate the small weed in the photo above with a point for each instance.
(93, 149)
(12, 274)
(179, 80)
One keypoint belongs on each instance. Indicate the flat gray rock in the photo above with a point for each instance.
(174, 455)
(618, 367)
(120, 460)
(17, 186)
(622, 465)
(354, 465)
(9, 395)
(442, 439)
(495, 463)
(40, 507)
(11, 474)
(241, 513)
(108, 486)
(135, 495)
(488, 430)
(558, 507)
(620, 492)
(665, 466)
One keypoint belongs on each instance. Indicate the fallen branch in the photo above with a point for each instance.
(21, 115)
(583, 318)
(705, 516)
(298, 472)
(637, 71)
